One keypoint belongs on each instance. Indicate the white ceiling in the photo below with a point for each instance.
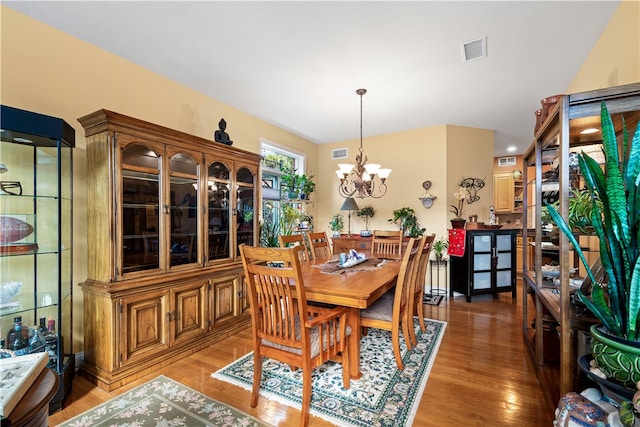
(297, 64)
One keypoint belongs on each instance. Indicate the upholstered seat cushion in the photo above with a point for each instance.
(315, 341)
(382, 309)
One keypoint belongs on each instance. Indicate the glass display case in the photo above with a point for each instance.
(36, 235)
(555, 324)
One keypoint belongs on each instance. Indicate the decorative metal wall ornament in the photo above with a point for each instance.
(472, 185)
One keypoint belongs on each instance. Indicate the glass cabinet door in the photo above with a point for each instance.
(183, 200)
(218, 218)
(36, 236)
(245, 198)
(141, 238)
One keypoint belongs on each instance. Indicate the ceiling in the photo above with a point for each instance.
(298, 64)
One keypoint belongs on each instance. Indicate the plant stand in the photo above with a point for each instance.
(442, 263)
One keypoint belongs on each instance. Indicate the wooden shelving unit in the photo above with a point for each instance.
(553, 330)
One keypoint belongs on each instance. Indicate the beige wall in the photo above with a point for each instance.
(50, 72)
(615, 58)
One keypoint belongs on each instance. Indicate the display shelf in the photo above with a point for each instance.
(37, 157)
(550, 173)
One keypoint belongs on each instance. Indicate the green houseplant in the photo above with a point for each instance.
(438, 248)
(305, 186)
(366, 213)
(336, 224)
(615, 217)
(408, 221)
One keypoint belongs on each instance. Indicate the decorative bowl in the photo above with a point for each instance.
(8, 291)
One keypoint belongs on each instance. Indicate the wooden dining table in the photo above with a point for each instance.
(352, 289)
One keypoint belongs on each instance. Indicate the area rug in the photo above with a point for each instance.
(432, 299)
(163, 402)
(384, 396)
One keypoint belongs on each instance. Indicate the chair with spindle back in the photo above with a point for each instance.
(284, 327)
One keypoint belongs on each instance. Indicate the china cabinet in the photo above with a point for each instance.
(487, 265)
(167, 214)
(36, 234)
(555, 325)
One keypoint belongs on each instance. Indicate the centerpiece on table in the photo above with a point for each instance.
(615, 217)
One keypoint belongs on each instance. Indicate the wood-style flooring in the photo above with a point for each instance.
(482, 375)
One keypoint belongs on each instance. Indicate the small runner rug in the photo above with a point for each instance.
(163, 402)
(432, 299)
(384, 396)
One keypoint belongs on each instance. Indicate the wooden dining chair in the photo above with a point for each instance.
(319, 245)
(297, 242)
(284, 327)
(419, 283)
(392, 311)
(386, 242)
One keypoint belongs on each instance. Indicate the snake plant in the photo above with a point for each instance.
(615, 219)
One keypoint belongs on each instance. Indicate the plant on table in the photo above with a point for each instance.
(408, 221)
(366, 213)
(457, 209)
(336, 224)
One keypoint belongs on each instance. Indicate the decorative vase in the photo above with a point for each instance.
(458, 222)
(617, 358)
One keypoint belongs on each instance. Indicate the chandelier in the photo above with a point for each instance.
(362, 179)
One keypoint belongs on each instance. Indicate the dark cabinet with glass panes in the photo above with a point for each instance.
(36, 236)
(167, 214)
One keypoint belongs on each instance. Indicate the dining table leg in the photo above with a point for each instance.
(354, 343)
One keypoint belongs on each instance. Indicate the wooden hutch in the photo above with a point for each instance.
(166, 214)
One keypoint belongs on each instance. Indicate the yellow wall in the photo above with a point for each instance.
(49, 72)
(615, 58)
(440, 154)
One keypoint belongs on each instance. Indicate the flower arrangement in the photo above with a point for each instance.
(460, 195)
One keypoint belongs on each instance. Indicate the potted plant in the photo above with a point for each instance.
(336, 224)
(460, 195)
(305, 186)
(290, 182)
(438, 248)
(408, 221)
(367, 213)
(615, 217)
(305, 221)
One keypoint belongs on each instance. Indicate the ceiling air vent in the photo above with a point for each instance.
(339, 153)
(474, 49)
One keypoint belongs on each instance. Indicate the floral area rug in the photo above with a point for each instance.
(163, 402)
(383, 396)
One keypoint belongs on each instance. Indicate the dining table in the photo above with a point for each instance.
(353, 287)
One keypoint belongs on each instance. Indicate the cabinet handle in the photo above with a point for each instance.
(166, 209)
(171, 315)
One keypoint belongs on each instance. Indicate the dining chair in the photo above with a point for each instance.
(319, 245)
(284, 327)
(386, 242)
(392, 311)
(297, 242)
(419, 283)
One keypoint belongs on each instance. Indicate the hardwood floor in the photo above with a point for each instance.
(482, 375)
